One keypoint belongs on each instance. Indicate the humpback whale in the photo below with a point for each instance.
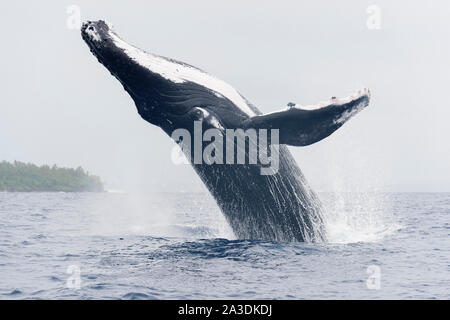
(172, 95)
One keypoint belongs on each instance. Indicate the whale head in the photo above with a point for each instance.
(163, 89)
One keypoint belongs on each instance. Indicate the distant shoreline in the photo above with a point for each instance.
(28, 177)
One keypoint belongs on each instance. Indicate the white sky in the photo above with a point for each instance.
(59, 105)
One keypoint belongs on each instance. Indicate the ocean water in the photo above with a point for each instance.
(178, 246)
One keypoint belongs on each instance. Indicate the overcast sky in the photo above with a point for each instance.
(59, 105)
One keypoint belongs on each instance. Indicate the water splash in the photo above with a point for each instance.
(348, 217)
(357, 207)
(358, 217)
(158, 215)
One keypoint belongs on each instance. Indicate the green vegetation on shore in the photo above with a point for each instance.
(27, 177)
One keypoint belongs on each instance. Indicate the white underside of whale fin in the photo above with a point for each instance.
(304, 125)
(335, 101)
(323, 104)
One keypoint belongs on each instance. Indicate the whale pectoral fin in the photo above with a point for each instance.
(305, 125)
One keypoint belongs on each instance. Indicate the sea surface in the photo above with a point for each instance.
(179, 246)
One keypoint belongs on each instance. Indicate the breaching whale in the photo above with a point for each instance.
(173, 95)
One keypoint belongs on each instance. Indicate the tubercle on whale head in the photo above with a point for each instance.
(145, 87)
(98, 35)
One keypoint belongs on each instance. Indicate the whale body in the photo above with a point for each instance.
(171, 95)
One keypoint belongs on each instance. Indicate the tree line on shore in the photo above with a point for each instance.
(27, 177)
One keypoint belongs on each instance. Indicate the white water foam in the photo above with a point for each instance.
(180, 215)
(358, 217)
